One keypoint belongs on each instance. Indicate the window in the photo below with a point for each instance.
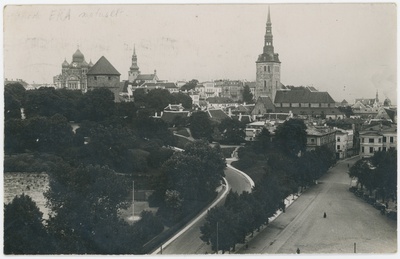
(312, 140)
(95, 78)
(384, 148)
(384, 139)
(391, 139)
(379, 140)
(109, 78)
(338, 139)
(371, 150)
(265, 68)
(269, 69)
(379, 149)
(362, 149)
(265, 84)
(371, 140)
(338, 147)
(362, 140)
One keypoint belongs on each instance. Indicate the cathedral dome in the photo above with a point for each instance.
(78, 56)
(65, 63)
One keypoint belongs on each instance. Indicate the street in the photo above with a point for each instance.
(189, 242)
(351, 223)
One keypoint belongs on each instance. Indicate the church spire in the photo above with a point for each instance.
(268, 39)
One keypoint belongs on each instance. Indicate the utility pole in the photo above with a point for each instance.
(355, 248)
(217, 237)
(133, 199)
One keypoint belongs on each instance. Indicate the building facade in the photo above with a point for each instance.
(318, 136)
(73, 75)
(344, 143)
(377, 138)
(268, 67)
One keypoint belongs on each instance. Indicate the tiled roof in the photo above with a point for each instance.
(220, 100)
(146, 77)
(103, 67)
(169, 116)
(302, 95)
(309, 110)
(267, 102)
(265, 57)
(217, 114)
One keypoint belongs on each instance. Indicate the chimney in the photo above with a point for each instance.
(240, 116)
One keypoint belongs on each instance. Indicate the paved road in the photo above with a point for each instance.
(349, 220)
(189, 242)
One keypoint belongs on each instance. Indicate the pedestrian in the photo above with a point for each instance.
(324, 214)
(298, 251)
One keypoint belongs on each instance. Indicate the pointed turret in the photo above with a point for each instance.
(65, 63)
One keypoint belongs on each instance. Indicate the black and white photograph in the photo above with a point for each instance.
(200, 128)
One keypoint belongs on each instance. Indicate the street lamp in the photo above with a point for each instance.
(217, 237)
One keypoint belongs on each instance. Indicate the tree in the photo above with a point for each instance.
(292, 136)
(184, 99)
(158, 99)
(86, 201)
(96, 105)
(24, 232)
(347, 110)
(247, 95)
(190, 85)
(220, 229)
(200, 125)
(193, 174)
(263, 141)
(49, 101)
(232, 131)
(14, 95)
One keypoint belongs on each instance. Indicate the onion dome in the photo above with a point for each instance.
(65, 64)
(78, 56)
(84, 64)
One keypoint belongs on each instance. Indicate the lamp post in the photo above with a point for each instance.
(217, 237)
(133, 199)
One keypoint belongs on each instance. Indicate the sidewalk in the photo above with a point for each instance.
(288, 201)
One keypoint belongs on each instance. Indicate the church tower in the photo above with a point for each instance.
(268, 77)
(134, 69)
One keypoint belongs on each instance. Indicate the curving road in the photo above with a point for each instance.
(349, 220)
(189, 242)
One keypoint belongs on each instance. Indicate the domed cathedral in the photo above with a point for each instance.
(268, 78)
(73, 75)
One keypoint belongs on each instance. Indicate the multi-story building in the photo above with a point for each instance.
(378, 137)
(231, 89)
(318, 136)
(73, 75)
(344, 143)
(306, 101)
(268, 65)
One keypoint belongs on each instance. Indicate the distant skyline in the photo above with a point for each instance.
(346, 49)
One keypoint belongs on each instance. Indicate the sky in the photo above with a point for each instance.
(346, 49)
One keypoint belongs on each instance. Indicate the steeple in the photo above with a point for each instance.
(268, 42)
(134, 66)
(134, 69)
